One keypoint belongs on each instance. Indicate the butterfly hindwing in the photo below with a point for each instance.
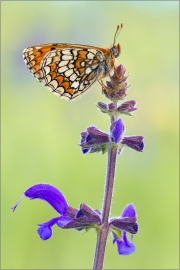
(67, 70)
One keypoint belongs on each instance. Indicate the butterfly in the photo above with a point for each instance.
(68, 70)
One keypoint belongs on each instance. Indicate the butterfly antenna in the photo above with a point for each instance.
(118, 30)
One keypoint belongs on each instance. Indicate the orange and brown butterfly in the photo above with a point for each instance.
(68, 70)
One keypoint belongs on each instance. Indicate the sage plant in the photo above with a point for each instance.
(94, 140)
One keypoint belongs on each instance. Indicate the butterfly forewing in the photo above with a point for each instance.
(68, 70)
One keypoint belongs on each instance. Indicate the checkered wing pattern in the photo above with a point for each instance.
(65, 69)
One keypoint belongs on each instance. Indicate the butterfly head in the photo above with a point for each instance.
(116, 49)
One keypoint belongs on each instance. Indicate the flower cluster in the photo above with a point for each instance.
(93, 140)
(125, 108)
(116, 88)
(82, 218)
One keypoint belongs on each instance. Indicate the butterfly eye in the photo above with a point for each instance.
(115, 50)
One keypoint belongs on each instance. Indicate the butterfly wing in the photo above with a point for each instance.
(67, 70)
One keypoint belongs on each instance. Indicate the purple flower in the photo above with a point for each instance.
(125, 108)
(116, 88)
(117, 129)
(68, 217)
(94, 140)
(124, 246)
(134, 142)
(82, 218)
(126, 223)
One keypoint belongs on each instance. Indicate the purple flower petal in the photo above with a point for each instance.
(94, 140)
(111, 106)
(85, 150)
(127, 224)
(109, 85)
(129, 211)
(102, 106)
(71, 211)
(87, 210)
(124, 246)
(45, 230)
(135, 142)
(49, 194)
(63, 221)
(87, 215)
(83, 140)
(120, 71)
(117, 129)
(97, 134)
(68, 223)
(80, 219)
(127, 106)
(128, 220)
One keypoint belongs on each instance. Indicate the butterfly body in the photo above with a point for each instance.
(68, 70)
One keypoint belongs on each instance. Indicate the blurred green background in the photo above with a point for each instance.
(40, 133)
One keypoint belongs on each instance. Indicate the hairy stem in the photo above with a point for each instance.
(103, 233)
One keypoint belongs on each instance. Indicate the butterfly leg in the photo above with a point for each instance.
(115, 72)
(100, 81)
(104, 88)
